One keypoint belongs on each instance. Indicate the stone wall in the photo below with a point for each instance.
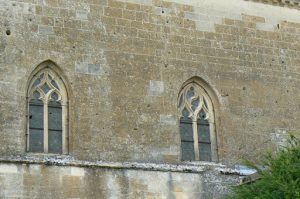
(125, 62)
(32, 179)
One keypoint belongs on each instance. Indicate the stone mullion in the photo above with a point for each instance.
(195, 136)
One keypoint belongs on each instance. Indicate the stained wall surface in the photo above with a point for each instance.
(126, 61)
(41, 181)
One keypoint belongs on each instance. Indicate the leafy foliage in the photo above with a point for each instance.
(279, 177)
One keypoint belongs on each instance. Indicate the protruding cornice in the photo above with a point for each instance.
(284, 3)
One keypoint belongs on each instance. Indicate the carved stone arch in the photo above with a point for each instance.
(47, 110)
(52, 65)
(197, 99)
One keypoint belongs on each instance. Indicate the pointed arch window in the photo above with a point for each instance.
(196, 124)
(47, 113)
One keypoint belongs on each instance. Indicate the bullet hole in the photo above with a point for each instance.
(282, 62)
(244, 88)
(169, 52)
(163, 11)
(148, 105)
(287, 91)
(74, 47)
(166, 65)
(30, 117)
(13, 4)
(8, 32)
(135, 129)
(97, 113)
(167, 21)
(278, 26)
(273, 59)
(276, 101)
(30, 19)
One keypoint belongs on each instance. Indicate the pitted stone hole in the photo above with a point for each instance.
(13, 4)
(167, 21)
(30, 19)
(8, 32)
(278, 26)
(244, 88)
(163, 11)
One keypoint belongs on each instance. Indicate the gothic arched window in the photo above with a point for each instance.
(47, 113)
(196, 124)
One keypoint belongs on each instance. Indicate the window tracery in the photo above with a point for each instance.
(47, 118)
(196, 124)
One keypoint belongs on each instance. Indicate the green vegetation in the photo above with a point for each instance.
(279, 177)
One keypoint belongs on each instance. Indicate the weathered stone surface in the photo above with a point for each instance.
(125, 63)
(35, 178)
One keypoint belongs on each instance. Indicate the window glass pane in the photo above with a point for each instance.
(55, 127)
(36, 114)
(54, 84)
(190, 93)
(187, 141)
(205, 152)
(195, 103)
(54, 116)
(203, 128)
(187, 150)
(46, 88)
(186, 129)
(55, 141)
(201, 118)
(36, 95)
(36, 140)
(54, 96)
(203, 133)
(36, 82)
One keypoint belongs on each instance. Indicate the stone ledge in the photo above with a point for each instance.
(284, 3)
(64, 160)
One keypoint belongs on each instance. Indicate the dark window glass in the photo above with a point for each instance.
(46, 88)
(204, 137)
(36, 140)
(54, 84)
(205, 152)
(187, 141)
(55, 141)
(36, 126)
(54, 127)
